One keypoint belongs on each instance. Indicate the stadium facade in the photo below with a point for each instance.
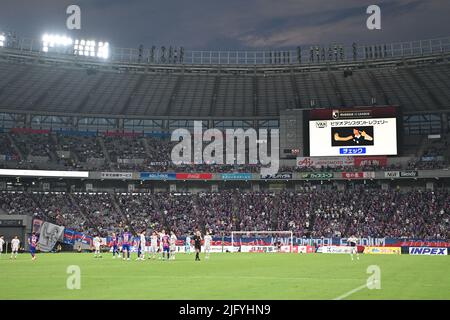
(112, 112)
(158, 91)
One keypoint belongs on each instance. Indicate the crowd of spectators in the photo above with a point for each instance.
(39, 145)
(360, 211)
(83, 148)
(139, 153)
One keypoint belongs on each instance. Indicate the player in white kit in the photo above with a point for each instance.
(2, 243)
(97, 244)
(173, 245)
(161, 251)
(207, 240)
(353, 241)
(153, 245)
(142, 245)
(15, 244)
(187, 245)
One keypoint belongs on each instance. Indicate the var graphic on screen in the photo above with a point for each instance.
(373, 136)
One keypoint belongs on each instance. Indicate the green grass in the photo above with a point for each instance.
(225, 276)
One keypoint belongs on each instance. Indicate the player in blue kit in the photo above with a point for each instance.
(126, 244)
(115, 245)
(166, 246)
(33, 241)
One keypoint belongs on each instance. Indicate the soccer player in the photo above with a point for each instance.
(208, 240)
(161, 251)
(173, 245)
(114, 243)
(126, 243)
(352, 241)
(15, 244)
(198, 245)
(166, 246)
(142, 243)
(97, 243)
(187, 245)
(33, 241)
(154, 245)
(2, 242)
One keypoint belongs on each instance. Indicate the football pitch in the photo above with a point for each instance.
(226, 276)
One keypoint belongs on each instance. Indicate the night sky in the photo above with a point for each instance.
(230, 24)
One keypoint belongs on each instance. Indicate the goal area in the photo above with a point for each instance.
(262, 241)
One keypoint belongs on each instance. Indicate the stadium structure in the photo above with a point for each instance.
(85, 145)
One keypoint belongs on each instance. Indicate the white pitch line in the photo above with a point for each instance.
(345, 295)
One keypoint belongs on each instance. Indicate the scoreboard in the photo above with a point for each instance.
(368, 131)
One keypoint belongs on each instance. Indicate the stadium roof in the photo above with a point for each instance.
(50, 83)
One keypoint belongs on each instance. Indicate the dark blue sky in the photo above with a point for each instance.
(230, 24)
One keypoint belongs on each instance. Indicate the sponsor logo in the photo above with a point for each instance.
(194, 176)
(335, 114)
(320, 175)
(392, 174)
(236, 176)
(157, 176)
(353, 175)
(370, 161)
(321, 124)
(304, 249)
(278, 176)
(318, 162)
(334, 249)
(428, 251)
(116, 175)
(382, 250)
(408, 174)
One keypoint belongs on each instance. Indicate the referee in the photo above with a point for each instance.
(197, 244)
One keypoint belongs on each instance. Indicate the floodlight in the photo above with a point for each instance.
(2, 40)
(55, 41)
(103, 50)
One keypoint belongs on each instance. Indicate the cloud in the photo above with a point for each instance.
(231, 24)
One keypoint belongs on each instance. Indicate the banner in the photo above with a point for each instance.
(157, 176)
(318, 176)
(392, 174)
(265, 249)
(44, 173)
(194, 176)
(304, 249)
(37, 223)
(382, 250)
(69, 236)
(358, 175)
(123, 134)
(370, 161)
(330, 162)
(278, 176)
(334, 249)
(49, 234)
(159, 163)
(427, 251)
(419, 243)
(117, 175)
(408, 174)
(29, 131)
(236, 176)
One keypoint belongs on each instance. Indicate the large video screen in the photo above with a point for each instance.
(355, 132)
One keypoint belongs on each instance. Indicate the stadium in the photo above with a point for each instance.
(358, 207)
